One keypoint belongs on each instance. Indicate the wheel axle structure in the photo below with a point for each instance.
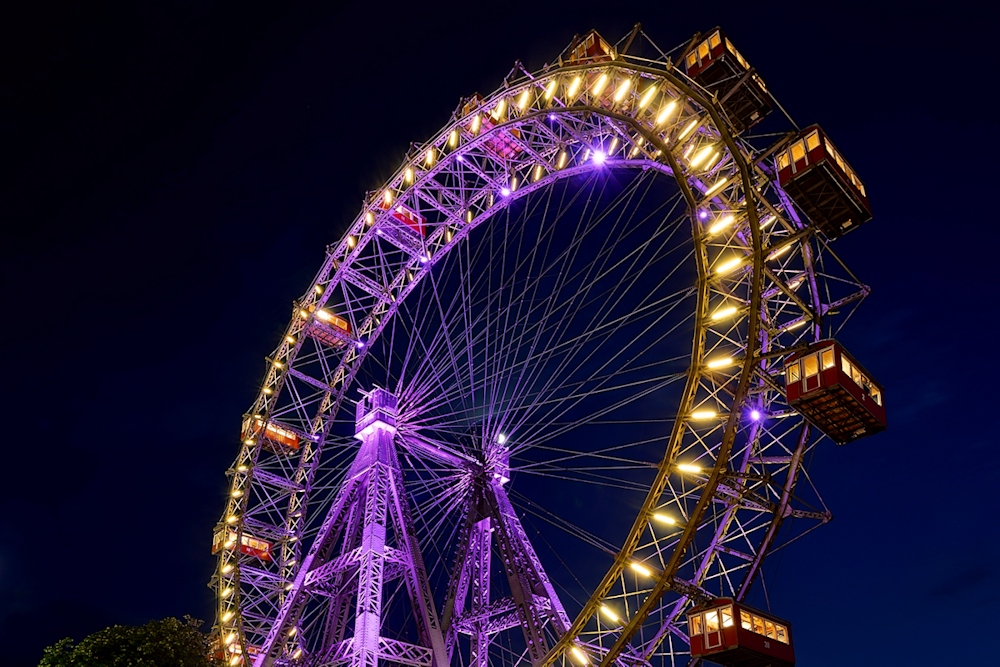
(530, 409)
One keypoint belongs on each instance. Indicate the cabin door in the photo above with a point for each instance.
(810, 373)
(713, 633)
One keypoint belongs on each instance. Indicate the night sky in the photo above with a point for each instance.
(171, 172)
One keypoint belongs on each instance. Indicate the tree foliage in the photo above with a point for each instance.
(169, 642)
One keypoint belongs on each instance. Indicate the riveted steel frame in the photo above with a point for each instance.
(727, 514)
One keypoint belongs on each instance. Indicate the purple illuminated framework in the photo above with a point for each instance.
(410, 547)
(369, 539)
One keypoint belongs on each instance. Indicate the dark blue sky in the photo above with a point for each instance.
(170, 176)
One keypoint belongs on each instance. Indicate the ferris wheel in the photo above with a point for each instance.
(556, 386)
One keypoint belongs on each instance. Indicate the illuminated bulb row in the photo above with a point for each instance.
(524, 100)
(522, 104)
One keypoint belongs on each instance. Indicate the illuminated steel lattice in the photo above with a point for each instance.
(578, 297)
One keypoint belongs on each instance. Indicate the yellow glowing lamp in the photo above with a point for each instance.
(623, 90)
(665, 112)
(641, 569)
(728, 265)
(602, 83)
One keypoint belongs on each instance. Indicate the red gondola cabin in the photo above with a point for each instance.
(591, 48)
(504, 144)
(226, 539)
(732, 634)
(405, 216)
(271, 435)
(830, 389)
(326, 327)
(822, 184)
(721, 69)
(232, 654)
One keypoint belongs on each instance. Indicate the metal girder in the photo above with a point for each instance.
(345, 562)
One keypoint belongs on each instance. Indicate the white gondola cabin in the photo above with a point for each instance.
(732, 634)
(722, 70)
(830, 389)
(822, 184)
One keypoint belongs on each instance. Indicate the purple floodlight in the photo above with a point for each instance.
(360, 344)
(600, 157)
(755, 415)
(505, 192)
(703, 214)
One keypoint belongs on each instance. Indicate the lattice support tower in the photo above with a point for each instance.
(366, 541)
(533, 604)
